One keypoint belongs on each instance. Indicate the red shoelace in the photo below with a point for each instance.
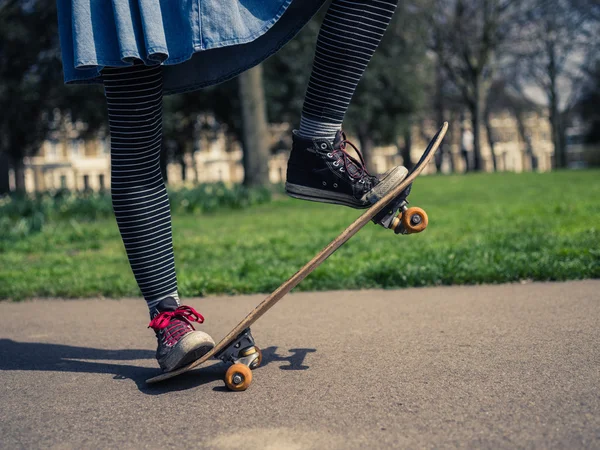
(184, 312)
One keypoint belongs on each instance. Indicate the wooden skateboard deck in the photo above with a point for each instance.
(293, 281)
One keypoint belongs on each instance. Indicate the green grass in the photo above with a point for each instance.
(484, 228)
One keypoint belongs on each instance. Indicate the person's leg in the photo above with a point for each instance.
(139, 195)
(349, 36)
(141, 206)
(319, 167)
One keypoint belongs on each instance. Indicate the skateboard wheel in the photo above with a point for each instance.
(256, 363)
(238, 377)
(414, 220)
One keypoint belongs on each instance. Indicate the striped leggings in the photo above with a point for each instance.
(139, 195)
(348, 38)
(350, 34)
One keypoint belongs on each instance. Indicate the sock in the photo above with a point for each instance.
(350, 34)
(311, 128)
(139, 195)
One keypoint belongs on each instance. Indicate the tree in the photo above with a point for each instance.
(31, 84)
(552, 52)
(505, 96)
(439, 106)
(447, 105)
(468, 37)
(188, 115)
(255, 129)
(392, 92)
(588, 106)
(23, 88)
(590, 8)
(286, 75)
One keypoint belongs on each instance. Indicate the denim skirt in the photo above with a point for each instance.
(199, 42)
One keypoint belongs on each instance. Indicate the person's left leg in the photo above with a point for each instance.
(141, 206)
(319, 167)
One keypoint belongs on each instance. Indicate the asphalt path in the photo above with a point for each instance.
(507, 366)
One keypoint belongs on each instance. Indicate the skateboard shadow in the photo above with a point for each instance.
(38, 356)
(295, 360)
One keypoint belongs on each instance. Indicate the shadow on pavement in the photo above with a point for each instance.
(295, 361)
(66, 358)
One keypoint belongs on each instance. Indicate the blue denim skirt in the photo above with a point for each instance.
(199, 42)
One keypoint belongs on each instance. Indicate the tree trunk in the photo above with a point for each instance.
(560, 156)
(448, 148)
(463, 150)
(557, 141)
(405, 153)
(527, 141)
(476, 119)
(440, 108)
(183, 168)
(490, 136)
(254, 120)
(19, 168)
(366, 148)
(4, 178)
(559, 152)
(195, 162)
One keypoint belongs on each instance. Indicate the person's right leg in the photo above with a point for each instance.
(349, 36)
(319, 168)
(141, 206)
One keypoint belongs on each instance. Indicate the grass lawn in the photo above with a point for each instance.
(483, 228)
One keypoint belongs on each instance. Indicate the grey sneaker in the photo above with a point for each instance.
(178, 342)
(324, 172)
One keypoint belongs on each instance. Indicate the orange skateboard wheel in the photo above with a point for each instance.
(238, 377)
(414, 220)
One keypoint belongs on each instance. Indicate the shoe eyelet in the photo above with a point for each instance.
(335, 185)
(342, 169)
(329, 155)
(362, 181)
(324, 183)
(335, 163)
(323, 145)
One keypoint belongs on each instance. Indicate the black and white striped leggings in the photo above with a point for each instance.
(349, 35)
(139, 195)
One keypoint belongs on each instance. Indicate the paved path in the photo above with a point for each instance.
(510, 366)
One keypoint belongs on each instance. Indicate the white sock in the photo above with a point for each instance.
(311, 128)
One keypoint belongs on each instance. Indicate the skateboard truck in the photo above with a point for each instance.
(244, 355)
(399, 217)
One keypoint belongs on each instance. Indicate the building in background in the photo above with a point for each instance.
(66, 161)
(514, 153)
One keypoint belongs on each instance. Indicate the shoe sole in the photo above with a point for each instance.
(190, 348)
(322, 196)
(389, 181)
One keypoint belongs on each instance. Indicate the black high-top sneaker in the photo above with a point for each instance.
(324, 172)
(178, 342)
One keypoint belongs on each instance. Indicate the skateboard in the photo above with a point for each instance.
(391, 211)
